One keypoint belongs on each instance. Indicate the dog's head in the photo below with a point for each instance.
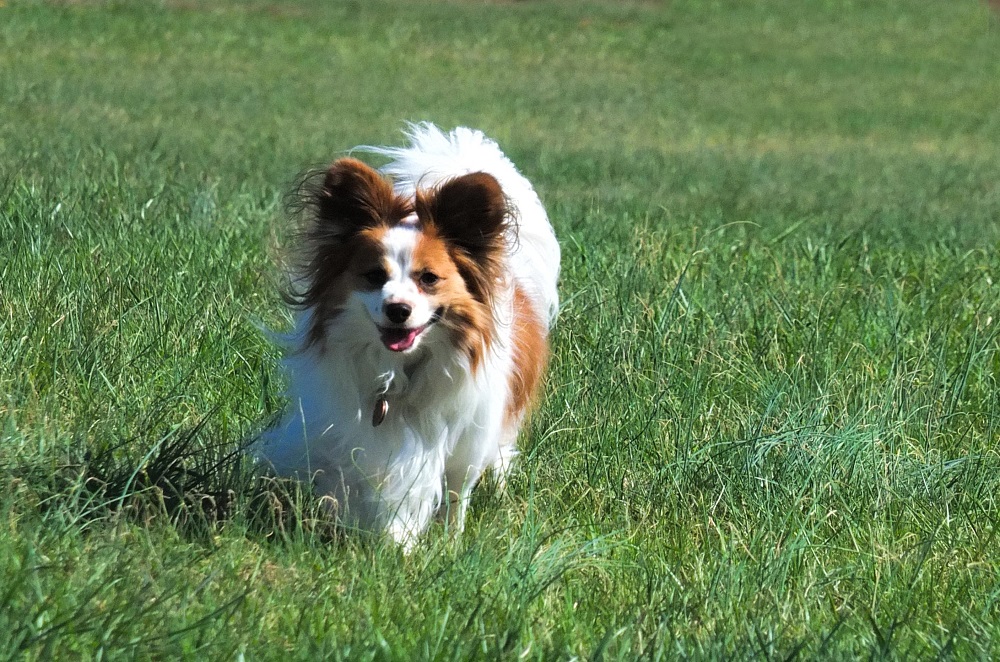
(404, 271)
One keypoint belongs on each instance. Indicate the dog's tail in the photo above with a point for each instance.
(433, 157)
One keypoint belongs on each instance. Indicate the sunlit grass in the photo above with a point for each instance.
(772, 418)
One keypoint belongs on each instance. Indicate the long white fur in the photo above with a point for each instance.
(434, 157)
(445, 425)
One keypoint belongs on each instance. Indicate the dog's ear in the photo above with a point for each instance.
(354, 197)
(470, 211)
(351, 198)
(471, 214)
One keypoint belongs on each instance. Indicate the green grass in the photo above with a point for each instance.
(771, 426)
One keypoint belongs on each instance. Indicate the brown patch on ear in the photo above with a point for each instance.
(353, 200)
(468, 320)
(355, 196)
(531, 356)
(471, 214)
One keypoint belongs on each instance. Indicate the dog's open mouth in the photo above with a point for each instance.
(400, 339)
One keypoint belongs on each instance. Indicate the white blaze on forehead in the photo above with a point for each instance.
(399, 243)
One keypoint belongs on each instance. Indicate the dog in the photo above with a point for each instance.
(423, 299)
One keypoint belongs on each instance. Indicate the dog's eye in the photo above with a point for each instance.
(428, 279)
(376, 277)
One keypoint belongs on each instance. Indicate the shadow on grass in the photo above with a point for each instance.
(195, 480)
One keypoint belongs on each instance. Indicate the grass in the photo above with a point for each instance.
(771, 425)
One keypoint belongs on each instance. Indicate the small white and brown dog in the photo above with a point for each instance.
(422, 313)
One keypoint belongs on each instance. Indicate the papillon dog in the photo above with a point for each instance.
(423, 298)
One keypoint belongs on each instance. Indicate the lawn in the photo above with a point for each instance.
(772, 423)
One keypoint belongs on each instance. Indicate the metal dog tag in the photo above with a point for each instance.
(381, 409)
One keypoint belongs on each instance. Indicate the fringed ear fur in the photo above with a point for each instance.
(354, 197)
(471, 213)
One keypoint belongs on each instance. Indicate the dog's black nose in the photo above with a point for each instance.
(397, 312)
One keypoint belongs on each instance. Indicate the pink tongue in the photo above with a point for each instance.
(401, 339)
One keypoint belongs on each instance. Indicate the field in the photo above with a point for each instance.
(772, 423)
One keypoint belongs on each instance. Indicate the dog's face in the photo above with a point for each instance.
(399, 272)
(406, 281)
